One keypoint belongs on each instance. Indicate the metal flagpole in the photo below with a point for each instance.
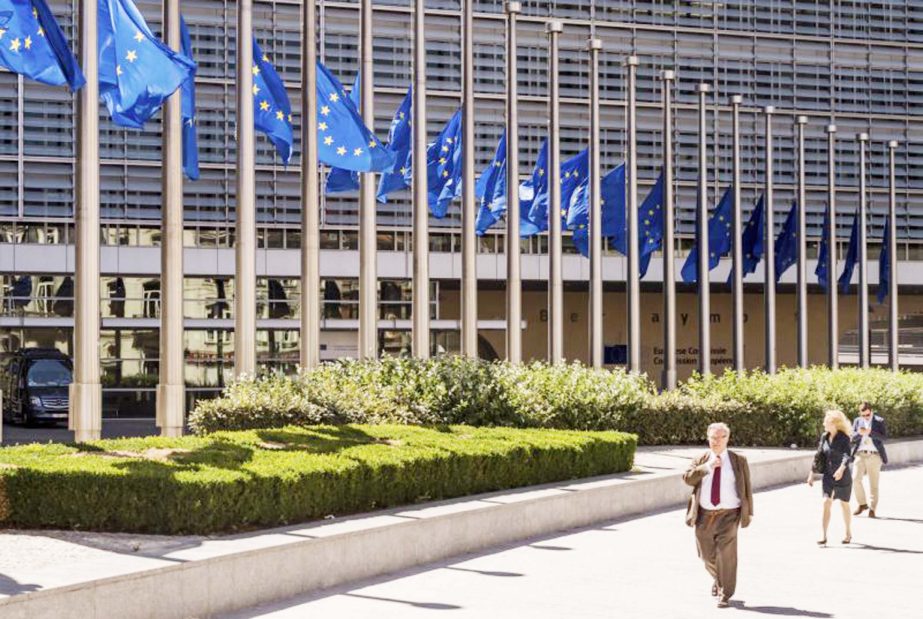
(171, 387)
(368, 240)
(833, 328)
(802, 252)
(702, 239)
(633, 283)
(310, 199)
(420, 202)
(769, 252)
(245, 243)
(469, 284)
(555, 278)
(85, 392)
(595, 221)
(668, 380)
(513, 264)
(863, 339)
(737, 286)
(893, 324)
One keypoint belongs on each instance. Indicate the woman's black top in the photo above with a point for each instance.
(838, 452)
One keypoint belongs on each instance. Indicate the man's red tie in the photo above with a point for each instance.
(716, 486)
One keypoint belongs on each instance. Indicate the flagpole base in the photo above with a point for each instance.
(668, 379)
(171, 409)
(86, 406)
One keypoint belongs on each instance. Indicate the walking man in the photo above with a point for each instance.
(721, 501)
(870, 432)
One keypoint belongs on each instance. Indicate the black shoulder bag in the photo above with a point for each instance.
(820, 459)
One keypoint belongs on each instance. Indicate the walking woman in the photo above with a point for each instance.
(837, 448)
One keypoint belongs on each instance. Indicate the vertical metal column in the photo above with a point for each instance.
(420, 333)
(513, 263)
(595, 220)
(737, 284)
(368, 238)
(668, 380)
(702, 239)
(309, 356)
(633, 281)
(802, 252)
(893, 323)
(769, 249)
(245, 241)
(85, 392)
(171, 387)
(555, 275)
(469, 283)
(833, 328)
(863, 339)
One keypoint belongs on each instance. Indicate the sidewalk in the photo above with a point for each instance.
(82, 574)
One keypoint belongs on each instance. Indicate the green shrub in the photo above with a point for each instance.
(236, 480)
(763, 410)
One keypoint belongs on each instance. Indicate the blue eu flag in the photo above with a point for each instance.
(444, 167)
(190, 136)
(821, 269)
(338, 179)
(490, 190)
(530, 190)
(787, 242)
(573, 171)
(650, 225)
(884, 262)
(32, 44)
(343, 139)
(852, 255)
(400, 140)
(272, 112)
(719, 239)
(612, 201)
(752, 240)
(137, 72)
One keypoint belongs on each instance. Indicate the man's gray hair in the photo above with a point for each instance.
(719, 425)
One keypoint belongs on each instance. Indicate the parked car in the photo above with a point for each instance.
(35, 386)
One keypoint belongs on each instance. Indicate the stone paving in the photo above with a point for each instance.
(647, 568)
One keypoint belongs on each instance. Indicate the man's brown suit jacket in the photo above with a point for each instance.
(697, 472)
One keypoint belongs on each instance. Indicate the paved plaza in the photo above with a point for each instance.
(647, 567)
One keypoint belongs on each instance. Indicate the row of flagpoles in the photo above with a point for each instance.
(135, 74)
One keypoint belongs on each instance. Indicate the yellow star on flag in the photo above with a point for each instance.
(341, 150)
(2, 32)
(264, 105)
(280, 115)
(28, 42)
(322, 126)
(325, 110)
(372, 144)
(403, 170)
(442, 160)
(256, 90)
(328, 141)
(138, 36)
(541, 172)
(118, 69)
(14, 46)
(445, 148)
(334, 97)
(41, 31)
(256, 70)
(357, 152)
(265, 58)
(445, 173)
(289, 118)
(131, 56)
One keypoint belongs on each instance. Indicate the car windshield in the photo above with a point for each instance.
(48, 373)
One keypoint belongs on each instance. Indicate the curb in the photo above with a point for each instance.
(234, 573)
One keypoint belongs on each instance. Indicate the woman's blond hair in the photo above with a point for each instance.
(839, 421)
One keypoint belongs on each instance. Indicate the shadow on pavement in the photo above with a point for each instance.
(426, 605)
(10, 586)
(782, 611)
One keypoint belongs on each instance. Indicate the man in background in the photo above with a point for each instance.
(870, 432)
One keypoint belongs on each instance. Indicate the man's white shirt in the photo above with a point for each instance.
(729, 498)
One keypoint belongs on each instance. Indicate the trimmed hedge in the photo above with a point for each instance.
(237, 480)
(762, 409)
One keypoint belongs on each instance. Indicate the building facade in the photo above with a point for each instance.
(856, 64)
